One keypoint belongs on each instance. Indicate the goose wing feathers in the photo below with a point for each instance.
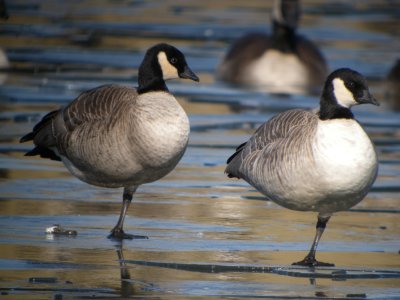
(273, 139)
(97, 104)
(100, 104)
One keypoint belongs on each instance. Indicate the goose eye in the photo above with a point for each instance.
(174, 60)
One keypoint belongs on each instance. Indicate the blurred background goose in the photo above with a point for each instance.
(283, 62)
(4, 66)
(393, 86)
(116, 136)
(313, 161)
(4, 62)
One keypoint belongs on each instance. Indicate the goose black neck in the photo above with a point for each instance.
(284, 37)
(152, 85)
(150, 77)
(330, 109)
(334, 112)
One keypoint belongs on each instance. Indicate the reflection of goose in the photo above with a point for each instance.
(4, 65)
(284, 62)
(306, 161)
(127, 287)
(4, 62)
(393, 86)
(114, 136)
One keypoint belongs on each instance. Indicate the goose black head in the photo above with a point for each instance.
(285, 19)
(163, 62)
(343, 89)
(286, 13)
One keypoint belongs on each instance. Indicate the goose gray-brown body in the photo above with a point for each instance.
(118, 136)
(283, 62)
(113, 137)
(303, 163)
(313, 161)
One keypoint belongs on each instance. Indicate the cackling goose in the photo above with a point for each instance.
(313, 161)
(117, 136)
(284, 62)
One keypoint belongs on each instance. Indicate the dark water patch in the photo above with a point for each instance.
(198, 31)
(321, 272)
(261, 198)
(78, 59)
(385, 188)
(20, 117)
(82, 293)
(386, 141)
(244, 99)
(35, 95)
(127, 59)
(15, 264)
(62, 93)
(33, 30)
(375, 210)
(389, 162)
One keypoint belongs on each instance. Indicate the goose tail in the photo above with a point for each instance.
(43, 138)
(234, 162)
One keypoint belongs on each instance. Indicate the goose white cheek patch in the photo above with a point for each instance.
(169, 71)
(343, 96)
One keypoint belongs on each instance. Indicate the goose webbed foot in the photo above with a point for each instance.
(310, 261)
(119, 234)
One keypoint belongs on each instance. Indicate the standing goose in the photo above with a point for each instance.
(283, 62)
(115, 136)
(307, 161)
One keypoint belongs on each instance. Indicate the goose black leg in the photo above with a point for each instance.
(310, 260)
(117, 232)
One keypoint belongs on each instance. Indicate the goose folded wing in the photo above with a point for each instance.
(281, 126)
(95, 105)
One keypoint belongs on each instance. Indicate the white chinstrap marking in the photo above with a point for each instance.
(343, 96)
(169, 71)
